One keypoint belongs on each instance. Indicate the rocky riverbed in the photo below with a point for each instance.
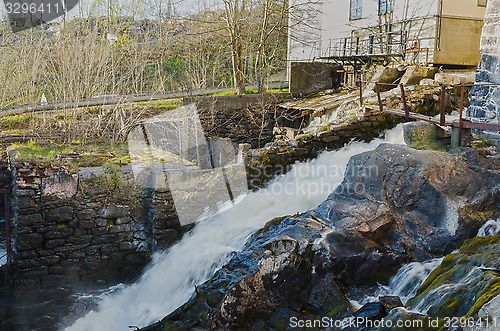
(395, 205)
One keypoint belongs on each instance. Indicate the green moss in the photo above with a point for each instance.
(13, 121)
(488, 293)
(430, 145)
(92, 154)
(61, 225)
(471, 287)
(478, 244)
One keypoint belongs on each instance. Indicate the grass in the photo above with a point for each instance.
(13, 121)
(482, 142)
(431, 144)
(160, 104)
(96, 153)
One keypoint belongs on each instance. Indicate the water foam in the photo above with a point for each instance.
(170, 279)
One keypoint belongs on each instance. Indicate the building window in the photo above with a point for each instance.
(482, 3)
(356, 12)
(385, 7)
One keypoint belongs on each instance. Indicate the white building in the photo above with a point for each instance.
(439, 32)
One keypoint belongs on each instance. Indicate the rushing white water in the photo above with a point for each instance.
(409, 278)
(3, 257)
(490, 228)
(170, 279)
(404, 283)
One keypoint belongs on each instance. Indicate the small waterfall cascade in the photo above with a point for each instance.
(170, 279)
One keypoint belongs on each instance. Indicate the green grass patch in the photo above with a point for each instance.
(430, 145)
(96, 153)
(13, 121)
(482, 142)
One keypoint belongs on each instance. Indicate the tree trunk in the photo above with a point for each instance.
(239, 79)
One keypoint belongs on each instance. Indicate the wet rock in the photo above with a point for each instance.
(390, 302)
(402, 314)
(268, 283)
(421, 132)
(61, 214)
(28, 241)
(431, 201)
(371, 311)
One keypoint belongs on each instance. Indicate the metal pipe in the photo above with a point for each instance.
(403, 97)
(111, 100)
(442, 117)
(380, 105)
(440, 18)
(360, 91)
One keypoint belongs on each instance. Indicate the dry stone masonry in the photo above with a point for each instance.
(97, 225)
(485, 100)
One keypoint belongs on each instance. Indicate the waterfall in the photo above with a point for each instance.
(404, 283)
(409, 278)
(169, 280)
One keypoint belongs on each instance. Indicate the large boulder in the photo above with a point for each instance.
(422, 132)
(395, 205)
(268, 283)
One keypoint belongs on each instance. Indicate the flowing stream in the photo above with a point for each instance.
(410, 276)
(169, 280)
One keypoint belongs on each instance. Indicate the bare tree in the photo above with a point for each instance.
(235, 15)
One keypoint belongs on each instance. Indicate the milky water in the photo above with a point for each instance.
(170, 279)
(3, 256)
(410, 276)
(490, 228)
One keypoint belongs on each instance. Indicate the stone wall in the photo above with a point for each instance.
(265, 163)
(242, 118)
(96, 225)
(485, 100)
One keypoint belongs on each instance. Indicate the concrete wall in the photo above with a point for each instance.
(463, 8)
(312, 77)
(485, 100)
(458, 43)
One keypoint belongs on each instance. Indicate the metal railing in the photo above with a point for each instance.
(405, 111)
(391, 43)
